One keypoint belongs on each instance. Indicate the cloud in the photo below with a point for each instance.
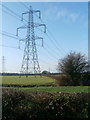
(61, 13)
(67, 16)
(53, 12)
(74, 16)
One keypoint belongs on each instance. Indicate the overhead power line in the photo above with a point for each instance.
(22, 3)
(11, 14)
(53, 40)
(54, 49)
(9, 36)
(56, 43)
(11, 11)
(9, 46)
(50, 51)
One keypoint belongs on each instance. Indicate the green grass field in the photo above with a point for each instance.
(70, 89)
(30, 80)
(39, 81)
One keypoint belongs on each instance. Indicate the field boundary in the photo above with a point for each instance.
(47, 85)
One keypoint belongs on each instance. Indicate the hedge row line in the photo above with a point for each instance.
(22, 105)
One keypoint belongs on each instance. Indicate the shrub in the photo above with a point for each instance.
(85, 79)
(62, 80)
(18, 105)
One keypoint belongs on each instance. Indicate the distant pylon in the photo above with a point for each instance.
(30, 64)
(3, 64)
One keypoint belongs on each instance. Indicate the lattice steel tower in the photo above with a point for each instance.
(30, 64)
(3, 64)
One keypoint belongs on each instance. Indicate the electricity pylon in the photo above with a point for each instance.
(3, 64)
(30, 64)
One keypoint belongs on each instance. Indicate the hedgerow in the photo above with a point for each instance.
(22, 105)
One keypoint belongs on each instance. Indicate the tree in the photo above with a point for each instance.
(73, 64)
(45, 72)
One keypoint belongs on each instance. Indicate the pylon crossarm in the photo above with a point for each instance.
(23, 27)
(36, 37)
(23, 14)
(44, 27)
(38, 12)
(38, 25)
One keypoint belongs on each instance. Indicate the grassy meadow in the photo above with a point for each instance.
(68, 89)
(30, 80)
(38, 83)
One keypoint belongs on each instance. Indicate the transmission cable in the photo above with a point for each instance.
(13, 12)
(9, 36)
(56, 43)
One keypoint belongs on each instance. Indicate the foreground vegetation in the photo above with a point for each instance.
(43, 98)
(26, 105)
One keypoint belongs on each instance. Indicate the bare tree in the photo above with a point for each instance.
(73, 64)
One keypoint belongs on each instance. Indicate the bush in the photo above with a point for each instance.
(65, 80)
(62, 80)
(21, 105)
(85, 79)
